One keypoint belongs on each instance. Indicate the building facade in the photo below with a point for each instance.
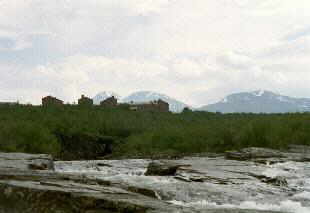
(85, 101)
(109, 102)
(51, 101)
(155, 106)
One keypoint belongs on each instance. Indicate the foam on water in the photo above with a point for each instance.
(293, 198)
(298, 178)
(284, 206)
(282, 169)
(303, 195)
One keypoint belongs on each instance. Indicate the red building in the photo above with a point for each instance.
(51, 101)
(109, 102)
(156, 106)
(85, 101)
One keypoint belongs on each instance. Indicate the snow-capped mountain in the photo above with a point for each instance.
(146, 96)
(260, 101)
(104, 95)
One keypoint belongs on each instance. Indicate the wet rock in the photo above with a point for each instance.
(24, 190)
(26, 161)
(276, 181)
(182, 178)
(253, 153)
(35, 191)
(299, 149)
(162, 169)
(143, 191)
(118, 189)
(269, 161)
(16, 196)
(104, 165)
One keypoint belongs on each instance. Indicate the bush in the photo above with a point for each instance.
(72, 132)
(27, 137)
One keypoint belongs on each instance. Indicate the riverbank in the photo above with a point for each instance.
(76, 133)
(252, 180)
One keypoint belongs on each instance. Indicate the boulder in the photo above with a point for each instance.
(162, 168)
(253, 153)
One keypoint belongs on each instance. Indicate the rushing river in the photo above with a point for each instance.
(206, 183)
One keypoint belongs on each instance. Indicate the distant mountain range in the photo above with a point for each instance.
(143, 96)
(261, 101)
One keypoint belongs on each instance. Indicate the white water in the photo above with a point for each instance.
(284, 206)
(293, 199)
(298, 177)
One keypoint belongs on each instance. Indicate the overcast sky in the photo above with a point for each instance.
(197, 51)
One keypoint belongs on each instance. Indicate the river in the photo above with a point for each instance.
(211, 182)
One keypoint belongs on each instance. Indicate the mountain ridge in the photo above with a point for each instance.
(259, 101)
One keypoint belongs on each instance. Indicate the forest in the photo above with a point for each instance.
(75, 132)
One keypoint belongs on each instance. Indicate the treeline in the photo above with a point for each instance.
(73, 132)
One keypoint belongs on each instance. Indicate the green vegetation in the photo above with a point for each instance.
(72, 132)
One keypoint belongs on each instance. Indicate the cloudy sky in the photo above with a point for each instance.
(197, 51)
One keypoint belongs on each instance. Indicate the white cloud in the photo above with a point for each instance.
(89, 75)
(197, 51)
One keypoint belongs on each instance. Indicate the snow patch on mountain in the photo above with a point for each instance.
(259, 93)
(260, 101)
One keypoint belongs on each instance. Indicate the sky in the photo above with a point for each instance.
(196, 51)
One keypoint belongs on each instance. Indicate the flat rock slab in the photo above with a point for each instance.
(34, 197)
(27, 186)
(296, 153)
(26, 161)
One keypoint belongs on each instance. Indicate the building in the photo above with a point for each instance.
(155, 106)
(163, 106)
(85, 101)
(51, 101)
(109, 102)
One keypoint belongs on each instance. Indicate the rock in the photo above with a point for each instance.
(276, 181)
(253, 153)
(143, 191)
(103, 165)
(162, 169)
(24, 187)
(27, 186)
(26, 161)
(299, 149)
(21, 196)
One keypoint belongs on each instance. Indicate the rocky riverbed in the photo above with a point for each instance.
(251, 180)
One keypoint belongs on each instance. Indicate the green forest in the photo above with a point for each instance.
(75, 132)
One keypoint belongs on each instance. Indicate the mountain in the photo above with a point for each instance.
(104, 95)
(146, 96)
(260, 101)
